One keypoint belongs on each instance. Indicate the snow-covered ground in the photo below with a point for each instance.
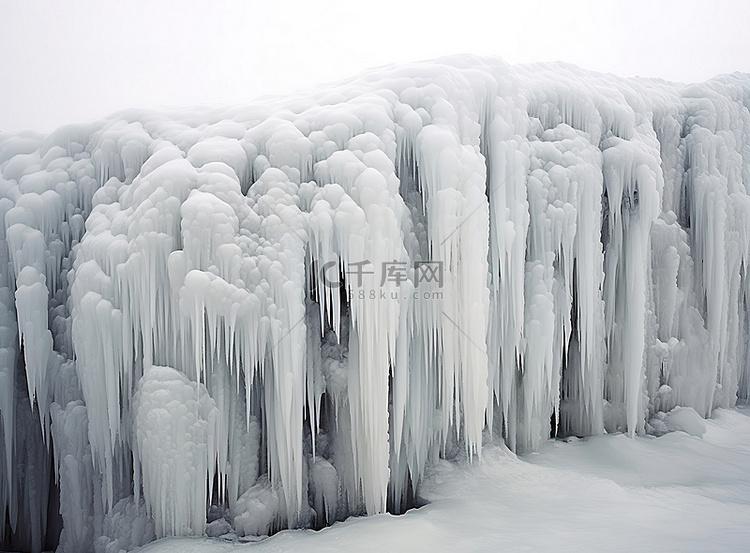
(676, 492)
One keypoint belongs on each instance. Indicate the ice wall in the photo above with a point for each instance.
(288, 310)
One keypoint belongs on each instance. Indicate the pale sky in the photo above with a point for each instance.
(64, 61)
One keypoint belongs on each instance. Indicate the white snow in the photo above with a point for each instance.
(672, 493)
(167, 311)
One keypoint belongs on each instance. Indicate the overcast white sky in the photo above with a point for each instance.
(67, 61)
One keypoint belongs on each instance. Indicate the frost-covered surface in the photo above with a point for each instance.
(607, 493)
(166, 298)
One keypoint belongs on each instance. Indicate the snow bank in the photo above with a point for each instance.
(679, 419)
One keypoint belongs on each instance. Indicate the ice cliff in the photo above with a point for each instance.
(288, 310)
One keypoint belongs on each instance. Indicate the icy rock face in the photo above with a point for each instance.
(231, 307)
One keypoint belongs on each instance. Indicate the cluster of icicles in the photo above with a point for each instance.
(170, 337)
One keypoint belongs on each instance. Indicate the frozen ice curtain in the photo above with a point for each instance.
(289, 310)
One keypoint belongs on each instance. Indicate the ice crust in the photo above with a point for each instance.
(169, 335)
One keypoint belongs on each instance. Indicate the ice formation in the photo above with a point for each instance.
(285, 312)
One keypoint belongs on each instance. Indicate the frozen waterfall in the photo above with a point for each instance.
(279, 315)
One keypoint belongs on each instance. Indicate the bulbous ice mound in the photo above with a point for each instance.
(301, 304)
